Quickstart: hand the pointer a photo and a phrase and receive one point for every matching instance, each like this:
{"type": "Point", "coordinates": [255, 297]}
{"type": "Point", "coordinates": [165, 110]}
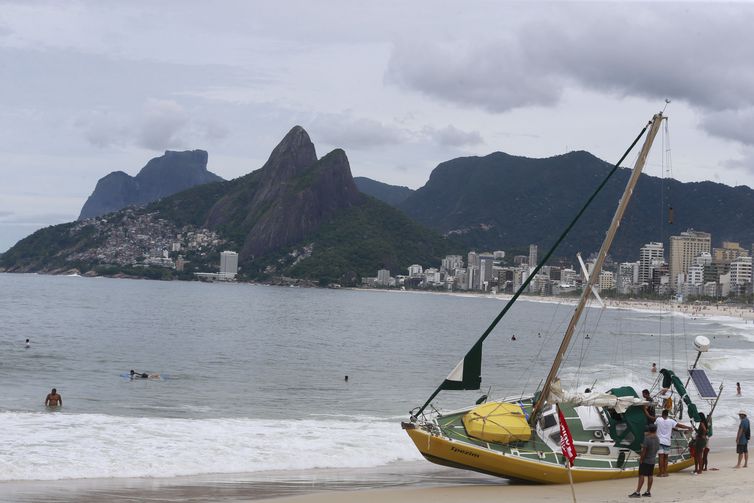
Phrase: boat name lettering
{"type": "Point", "coordinates": [464, 451]}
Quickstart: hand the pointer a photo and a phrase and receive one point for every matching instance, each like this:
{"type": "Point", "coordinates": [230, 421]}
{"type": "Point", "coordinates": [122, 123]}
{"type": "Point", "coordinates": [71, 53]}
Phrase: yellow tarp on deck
{"type": "Point", "coordinates": [497, 422]}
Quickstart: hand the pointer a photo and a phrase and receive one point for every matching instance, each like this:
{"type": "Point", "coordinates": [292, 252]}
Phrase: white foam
{"type": "Point", "coordinates": [51, 446]}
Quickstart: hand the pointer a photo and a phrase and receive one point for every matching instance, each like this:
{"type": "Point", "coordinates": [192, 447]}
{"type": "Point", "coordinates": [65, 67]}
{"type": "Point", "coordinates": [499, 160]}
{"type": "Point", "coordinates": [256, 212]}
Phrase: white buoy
{"type": "Point", "coordinates": [701, 343]}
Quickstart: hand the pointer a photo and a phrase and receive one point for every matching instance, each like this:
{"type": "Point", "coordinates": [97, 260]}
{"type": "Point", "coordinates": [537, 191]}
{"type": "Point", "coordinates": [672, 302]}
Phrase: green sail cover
{"type": "Point", "coordinates": [627, 429]}
{"type": "Point", "coordinates": [668, 379]}
{"type": "Point", "coordinates": [468, 372]}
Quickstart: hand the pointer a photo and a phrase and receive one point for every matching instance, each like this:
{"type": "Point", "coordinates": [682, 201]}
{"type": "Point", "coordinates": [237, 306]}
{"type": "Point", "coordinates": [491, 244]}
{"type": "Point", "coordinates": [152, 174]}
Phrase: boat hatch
{"type": "Point", "coordinates": [591, 418]}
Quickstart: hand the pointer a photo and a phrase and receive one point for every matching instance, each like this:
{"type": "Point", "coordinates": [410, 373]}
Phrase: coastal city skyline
{"type": "Point", "coordinates": [699, 271]}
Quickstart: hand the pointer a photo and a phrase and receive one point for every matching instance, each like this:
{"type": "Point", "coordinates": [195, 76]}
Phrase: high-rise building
{"type": "Point", "coordinates": [729, 252]}
{"type": "Point", "coordinates": [498, 254]}
{"type": "Point", "coordinates": [383, 277]}
{"type": "Point", "coordinates": [473, 259]}
{"type": "Point", "coordinates": [533, 256]}
{"type": "Point", "coordinates": [472, 278]}
{"type": "Point", "coordinates": [485, 268]}
{"type": "Point", "coordinates": [647, 254]}
{"type": "Point", "coordinates": [228, 264]}
{"type": "Point", "coordinates": [451, 262]}
{"type": "Point", "coordinates": [740, 271]}
{"type": "Point", "coordinates": [683, 250]}
{"type": "Point", "coordinates": [415, 270]}
{"type": "Point", "coordinates": [606, 280]}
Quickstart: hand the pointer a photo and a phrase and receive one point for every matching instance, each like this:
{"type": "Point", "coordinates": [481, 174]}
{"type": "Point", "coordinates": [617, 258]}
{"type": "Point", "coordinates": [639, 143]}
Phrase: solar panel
{"type": "Point", "coordinates": [703, 386]}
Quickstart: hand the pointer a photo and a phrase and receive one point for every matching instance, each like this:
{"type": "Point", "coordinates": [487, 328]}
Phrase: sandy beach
{"type": "Point", "coordinates": [420, 482]}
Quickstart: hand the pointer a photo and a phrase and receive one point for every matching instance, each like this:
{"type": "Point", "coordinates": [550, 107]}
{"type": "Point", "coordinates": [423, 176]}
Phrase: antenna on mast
{"type": "Point", "coordinates": [667, 102]}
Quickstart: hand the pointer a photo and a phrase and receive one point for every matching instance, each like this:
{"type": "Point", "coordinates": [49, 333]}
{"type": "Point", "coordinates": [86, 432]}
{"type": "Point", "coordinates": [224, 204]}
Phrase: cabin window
{"type": "Point", "coordinates": [600, 450]}
{"type": "Point", "coordinates": [555, 437]}
{"type": "Point", "coordinates": [548, 421]}
{"type": "Point", "coordinates": [581, 449]}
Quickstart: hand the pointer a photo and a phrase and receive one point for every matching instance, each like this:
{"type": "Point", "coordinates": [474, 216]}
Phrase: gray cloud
{"type": "Point", "coordinates": [744, 163]}
{"type": "Point", "coordinates": [344, 130]}
{"type": "Point", "coordinates": [451, 136]}
{"type": "Point", "coordinates": [158, 125]}
{"type": "Point", "coordinates": [161, 125]}
{"type": "Point", "coordinates": [704, 57]}
{"type": "Point", "coordinates": [737, 125]}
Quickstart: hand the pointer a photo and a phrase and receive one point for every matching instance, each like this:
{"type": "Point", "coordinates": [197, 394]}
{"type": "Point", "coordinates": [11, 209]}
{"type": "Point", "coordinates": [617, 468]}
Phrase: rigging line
{"type": "Point", "coordinates": [544, 260]}
{"type": "Point", "coordinates": [543, 343]}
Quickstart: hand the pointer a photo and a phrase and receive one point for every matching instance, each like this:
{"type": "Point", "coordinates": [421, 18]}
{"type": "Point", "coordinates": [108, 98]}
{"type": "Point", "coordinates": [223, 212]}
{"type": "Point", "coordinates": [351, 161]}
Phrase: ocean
{"type": "Point", "coordinates": [253, 377]}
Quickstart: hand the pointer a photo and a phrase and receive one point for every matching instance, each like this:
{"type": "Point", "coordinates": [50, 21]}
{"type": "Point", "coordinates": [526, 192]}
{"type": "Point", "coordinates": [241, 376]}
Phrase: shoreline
{"type": "Point", "coordinates": [404, 482]}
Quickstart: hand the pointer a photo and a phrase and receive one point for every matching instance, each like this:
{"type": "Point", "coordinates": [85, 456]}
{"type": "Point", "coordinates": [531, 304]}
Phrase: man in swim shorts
{"type": "Point", "coordinates": [54, 399]}
{"type": "Point", "coordinates": [665, 427]}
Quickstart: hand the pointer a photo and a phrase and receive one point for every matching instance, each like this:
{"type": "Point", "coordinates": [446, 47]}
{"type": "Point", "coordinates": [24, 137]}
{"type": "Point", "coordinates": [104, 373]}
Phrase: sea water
{"type": "Point", "coordinates": [254, 376]}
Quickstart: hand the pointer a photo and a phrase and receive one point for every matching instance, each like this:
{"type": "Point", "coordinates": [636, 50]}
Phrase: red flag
{"type": "Point", "coordinates": [566, 440]}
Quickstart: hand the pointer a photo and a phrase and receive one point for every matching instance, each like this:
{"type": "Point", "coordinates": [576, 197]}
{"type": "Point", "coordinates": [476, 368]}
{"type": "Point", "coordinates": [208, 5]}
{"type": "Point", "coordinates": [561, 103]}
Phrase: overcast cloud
{"type": "Point", "coordinates": [90, 87]}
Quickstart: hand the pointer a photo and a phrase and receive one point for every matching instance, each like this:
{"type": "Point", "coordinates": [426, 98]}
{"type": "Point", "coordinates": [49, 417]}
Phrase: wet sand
{"type": "Point", "coordinates": [415, 482]}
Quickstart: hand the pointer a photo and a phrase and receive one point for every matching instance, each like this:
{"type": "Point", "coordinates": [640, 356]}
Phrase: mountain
{"type": "Point", "coordinates": [390, 194]}
{"type": "Point", "coordinates": [501, 201]}
{"type": "Point", "coordinates": [296, 216]}
{"type": "Point", "coordinates": [161, 177]}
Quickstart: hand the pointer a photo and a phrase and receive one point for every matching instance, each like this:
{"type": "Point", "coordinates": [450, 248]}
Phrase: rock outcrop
{"type": "Point", "coordinates": [289, 197]}
{"type": "Point", "coordinates": [161, 177]}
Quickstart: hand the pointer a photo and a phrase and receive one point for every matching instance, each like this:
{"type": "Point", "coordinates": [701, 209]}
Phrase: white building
{"type": "Point", "coordinates": [567, 277]}
{"type": "Point", "coordinates": [414, 271]}
{"type": "Point", "coordinates": [533, 256]}
{"type": "Point", "coordinates": [451, 262]}
{"type": "Point", "coordinates": [433, 277]}
{"type": "Point", "coordinates": [648, 254]}
{"type": "Point", "coordinates": [740, 271]}
{"type": "Point", "coordinates": [486, 264]}
{"type": "Point", "coordinates": [228, 264]}
{"type": "Point", "coordinates": [383, 277]}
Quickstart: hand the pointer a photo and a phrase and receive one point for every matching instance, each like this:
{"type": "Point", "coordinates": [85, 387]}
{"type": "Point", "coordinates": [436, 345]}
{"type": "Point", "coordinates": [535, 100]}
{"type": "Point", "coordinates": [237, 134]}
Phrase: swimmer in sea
{"type": "Point", "coordinates": [54, 399]}
{"type": "Point", "coordinates": [28, 344]}
{"type": "Point", "coordinates": [142, 375]}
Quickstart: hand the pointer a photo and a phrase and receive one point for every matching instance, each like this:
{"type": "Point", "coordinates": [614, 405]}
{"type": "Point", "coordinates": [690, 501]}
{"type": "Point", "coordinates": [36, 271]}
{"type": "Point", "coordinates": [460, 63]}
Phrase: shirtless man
{"type": "Point", "coordinates": [54, 399]}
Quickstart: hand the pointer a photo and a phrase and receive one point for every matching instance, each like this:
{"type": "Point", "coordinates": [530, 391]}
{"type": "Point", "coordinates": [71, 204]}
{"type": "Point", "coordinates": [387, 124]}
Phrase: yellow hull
{"type": "Point", "coordinates": [461, 455]}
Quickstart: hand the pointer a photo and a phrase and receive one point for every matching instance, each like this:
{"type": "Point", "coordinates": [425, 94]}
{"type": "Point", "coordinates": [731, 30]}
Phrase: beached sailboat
{"type": "Point", "coordinates": [519, 437]}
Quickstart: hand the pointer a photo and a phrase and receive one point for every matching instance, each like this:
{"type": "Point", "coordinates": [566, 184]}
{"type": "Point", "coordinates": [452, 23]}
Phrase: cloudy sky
{"type": "Point", "coordinates": [87, 88]}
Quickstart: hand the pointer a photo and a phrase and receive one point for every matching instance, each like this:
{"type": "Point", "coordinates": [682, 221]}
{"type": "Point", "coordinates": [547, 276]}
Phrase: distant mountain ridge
{"type": "Point", "coordinates": [501, 201]}
{"type": "Point", "coordinates": [295, 216]}
{"type": "Point", "coordinates": [161, 177]}
{"type": "Point", "coordinates": [390, 194]}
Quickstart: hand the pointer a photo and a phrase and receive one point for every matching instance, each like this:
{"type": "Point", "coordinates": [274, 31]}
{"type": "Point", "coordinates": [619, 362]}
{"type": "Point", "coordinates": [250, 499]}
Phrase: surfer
{"type": "Point", "coordinates": [142, 375]}
{"type": "Point", "coordinates": [514, 337]}
{"type": "Point", "coordinates": [54, 399]}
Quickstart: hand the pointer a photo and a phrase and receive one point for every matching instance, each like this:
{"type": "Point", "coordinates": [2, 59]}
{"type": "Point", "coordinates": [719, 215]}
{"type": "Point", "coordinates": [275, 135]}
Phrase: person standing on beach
{"type": "Point", "coordinates": [738, 386]}
{"type": "Point", "coordinates": [700, 443]}
{"type": "Point", "coordinates": [649, 449]}
{"type": "Point", "coordinates": [665, 427]}
{"type": "Point", "coordinates": [54, 399]}
{"type": "Point", "coordinates": [742, 440]}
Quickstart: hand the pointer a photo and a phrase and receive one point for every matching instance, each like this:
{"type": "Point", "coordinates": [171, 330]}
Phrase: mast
{"type": "Point", "coordinates": [654, 127]}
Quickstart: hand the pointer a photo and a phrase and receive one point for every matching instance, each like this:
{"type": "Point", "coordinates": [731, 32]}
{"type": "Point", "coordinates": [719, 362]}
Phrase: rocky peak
{"type": "Point", "coordinates": [293, 154]}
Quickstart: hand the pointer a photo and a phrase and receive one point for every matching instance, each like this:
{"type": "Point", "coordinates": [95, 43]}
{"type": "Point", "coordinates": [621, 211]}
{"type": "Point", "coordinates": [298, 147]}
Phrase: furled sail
{"type": "Point", "coordinates": [619, 403]}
